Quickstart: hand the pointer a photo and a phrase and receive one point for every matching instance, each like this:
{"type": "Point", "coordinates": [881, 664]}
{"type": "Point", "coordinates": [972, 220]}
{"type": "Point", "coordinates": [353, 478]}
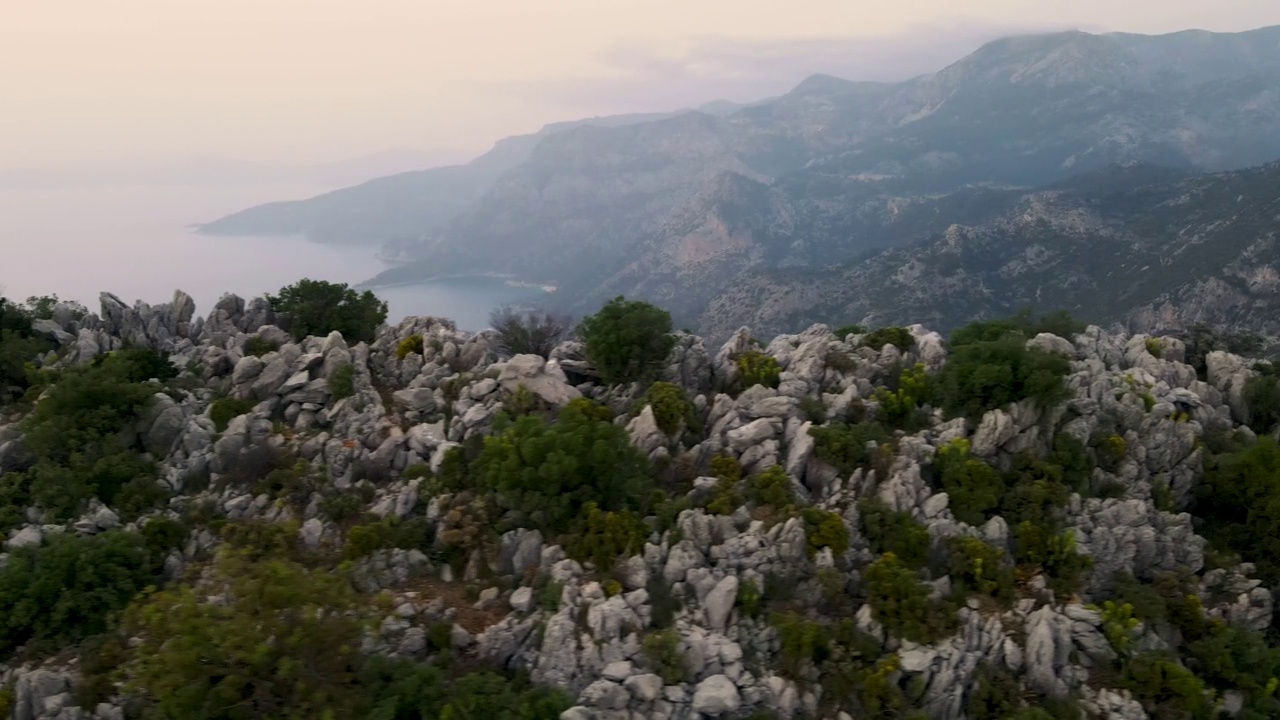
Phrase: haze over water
{"type": "Point", "coordinates": [134, 241]}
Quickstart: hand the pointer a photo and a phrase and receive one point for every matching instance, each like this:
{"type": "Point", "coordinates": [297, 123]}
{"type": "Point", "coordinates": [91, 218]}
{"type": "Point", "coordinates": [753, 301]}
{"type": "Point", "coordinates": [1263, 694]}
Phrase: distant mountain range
{"type": "Point", "coordinates": [853, 201]}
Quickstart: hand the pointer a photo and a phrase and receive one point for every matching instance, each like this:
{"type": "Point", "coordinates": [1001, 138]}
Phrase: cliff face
{"type": "Point", "coordinates": [728, 580]}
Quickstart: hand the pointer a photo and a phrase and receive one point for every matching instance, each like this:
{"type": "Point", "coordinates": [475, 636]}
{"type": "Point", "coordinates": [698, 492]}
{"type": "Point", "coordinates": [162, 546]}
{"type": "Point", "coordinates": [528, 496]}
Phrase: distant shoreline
{"type": "Point", "coordinates": [508, 280]}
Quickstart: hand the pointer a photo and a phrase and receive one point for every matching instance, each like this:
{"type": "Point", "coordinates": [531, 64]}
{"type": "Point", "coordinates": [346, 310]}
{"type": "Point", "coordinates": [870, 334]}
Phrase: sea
{"type": "Point", "coordinates": [137, 242]}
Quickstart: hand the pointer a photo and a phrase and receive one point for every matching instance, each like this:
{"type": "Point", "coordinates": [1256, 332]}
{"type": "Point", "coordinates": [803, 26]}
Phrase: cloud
{"type": "Point", "coordinates": [644, 76]}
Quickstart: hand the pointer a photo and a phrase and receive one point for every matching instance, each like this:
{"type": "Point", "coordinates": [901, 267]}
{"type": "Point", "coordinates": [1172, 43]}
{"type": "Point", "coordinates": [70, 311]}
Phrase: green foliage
{"type": "Point", "coordinates": [529, 331]}
{"type": "Point", "coordinates": [844, 446]}
{"type": "Point", "coordinates": [996, 694]}
{"type": "Point", "coordinates": [670, 407]}
{"type": "Point", "coordinates": [901, 408]}
{"type": "Point", "coordinates": [977, 567]}
{"type": "Point", "coordinates": [1201, 340]}
{"type": "Point", "coordinates": [813, 409]}
{"type": "Point", "coordinates": [986, 375]}
{"type": "Point", "coordinates": [70, 587]}
{"type": "Point", "coordinates": [316, 307]}
{"type": "Point", "coordinates": [845, 331]}
{"type": "Point", "coordinates": [19, 345]}
{"type": "Point", "coordinates": [839, 360]}
{"type": "Point", "coordinates": [607, 536]}
{"type": "Point", "coordinates": [342, 382]}
{"type": "Point", "coordinates": [411, 344]}
{"type": "Point", "coordinates": [898, 337]}
{"type": "Point", "coordinates": [894, 532]}
{"type": "Point", "coordinates": [901, 603]}
{"type": "Point", "coordinates": [770, 487]}
{"type": "Point", "coordinates": [82, 437]}
{"type": "Point", "coordinates": [1110, 450]}
{"type": "Point", "coordinates": [757, 368]}
{"type": "Point", "coordinates": [973, 487]}
{"type": "Point", "coordinates": [546, 473]}
{"type": "Point", "coordinates": [627, 340]}
{"type": "Point", "coordinates": [363, 540]}
{"type": "Point", "coordinates": [825, 529]}
{"type": "Point", "coordinates": [662, 649]}
{"type": "Point", "coordinates": [802, 642]}
{"type": "Point", "coordinates": [1166, 688]}
{"type": "Point", "coordinates": [1262, 398]}
{"type": "Point", "coordinates": [750, 598]}
{"type": "Point", "coordinates": [223, 410]}
{"type": "Point", "coordinates": [400, 689]}
{"type": "Point", "coordinates": [1239, 502]}
{"type": "Point", "coordinates": [1055, 553]}
{"type": "Point", "coordinates": [548, 593]}
{"type": "Point", "coordinates": [1022, 326]}
{"type": "Point", "coordinates": [258, 346]}
{"type": "Point", "coordinates": [1119, 625]}
{"type": "Point", "coordinates": [283, 645]}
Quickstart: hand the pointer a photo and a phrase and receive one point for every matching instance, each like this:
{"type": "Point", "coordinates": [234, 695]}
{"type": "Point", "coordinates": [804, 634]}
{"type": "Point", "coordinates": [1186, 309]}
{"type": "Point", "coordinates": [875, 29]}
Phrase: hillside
{"type": "Point", "coordinates": [1032, 520]}
{"type": "Point", "coordinates": [827, 173]}
{"type": "Point", "coordinates": [1147, 247]}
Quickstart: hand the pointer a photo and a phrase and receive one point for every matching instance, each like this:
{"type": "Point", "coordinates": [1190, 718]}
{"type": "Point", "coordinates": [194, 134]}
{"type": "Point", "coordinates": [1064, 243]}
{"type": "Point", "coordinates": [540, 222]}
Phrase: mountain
{"type": "Point", "coordinates": [685, 208]}
{"type": "Point", "coordinates": [1147, 247]}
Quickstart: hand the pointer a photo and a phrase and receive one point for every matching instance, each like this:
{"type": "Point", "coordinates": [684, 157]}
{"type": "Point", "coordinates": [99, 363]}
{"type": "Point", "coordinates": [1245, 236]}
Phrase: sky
{"type": "Point", "coordinates": [295, 81]}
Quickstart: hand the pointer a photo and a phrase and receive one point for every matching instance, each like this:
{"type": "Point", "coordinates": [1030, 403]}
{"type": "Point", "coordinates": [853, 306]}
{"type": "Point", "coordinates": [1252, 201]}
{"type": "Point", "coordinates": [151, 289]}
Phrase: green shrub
{"type": "Point", "coordinates": [901, 603]}
{"type": "Point", "coordinates": [825, 529]}
{"type": "Point", "coordinates": [662, 649]}
{"type": "Point", "coordinates": [316, 307]}
{"type": "Point", "coordinates": [1055, 553]}
{"type": "Point", "coordinates": [545, 473]}
{"type": "Point", "coordinates": [342, 382]}
{"type": "Point", "coordinates": [813, 409]}
{"type": "Point", "coordinates": [757, 368]}
{"type": "Point", "coordinates": [802, 641]}
{"type": "Point", "coordinates": [898, 337]}
{"type": "Point", "coordinates": [894, 532]}
{"type": "Point", "coordinates": [1155, 348]}
{"type": "Point", "coordinates": [770, 487]}
{"type": "Point", "coordinates": [1109, 449]}
{"type": "Point", "coordinates": [974, 488]}
{"type": "Point", "coordinates": [411, 344]}
{"type": "Point", "coordinates": [987, 375]}
{"type": "Point", "coordinates": [1262, 398]}
{"type": "Point", "coordinates": [411, 534]}
{"type": "Point", "coordinates": [840, 361]}
{"type": "Point", "coordinates": [977, 567]}
{"type": "Point", "coordinates": [70, 587]}
{"type": "Point", "coordinates": [845, 331]}
{"type": "Point", "coordinates": [901, 408]}
{"type": "Point", "coordinates": [402, 689]}
{"type": "Point", "coordinates": [627, 340]}
{"type": "Point", "coordinates": [1165, 687]}
{"type": "Point", "coordinates": [223, 410]}
{"type": "Point", "coordinates": [607, 536]}
{"type": "Point", "coordinates": [19, 345]}
{"type": "Point", "coordinates": [670, 407]}
{"type": "Point", "coordinates": [258, 346]}
{"type": "Point", "coordinates": [844, 446]}
{"type": "Point", "coordinates": [1022, 326]}
{"type": "Point", "coordinates": [1239, 501]}
{"type": "Point", "coordinates": [995, 694]}
{"type": "Point", "coordinates": [750, 598]}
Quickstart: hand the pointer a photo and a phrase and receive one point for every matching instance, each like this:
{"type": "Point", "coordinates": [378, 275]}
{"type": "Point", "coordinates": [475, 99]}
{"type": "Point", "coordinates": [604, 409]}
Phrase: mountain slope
{"type": "Point", "coordinates": [1149, 247]}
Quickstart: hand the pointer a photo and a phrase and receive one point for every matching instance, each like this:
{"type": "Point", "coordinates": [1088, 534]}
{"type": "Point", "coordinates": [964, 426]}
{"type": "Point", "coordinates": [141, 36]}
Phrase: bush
{"type": "Point", "coordinates": [770, 488]}
{"type": "Point", "coordinates": [973, 487]}
{"type": "Point", "coordinates": [977, 567]}
{"type": "Point", "coordinates": [19, 345]}
{"type": "Point", "coordinates": [364, 540]}
{"type": "Point", "coordinates": [546, 473]}
{"type": "Point", "coordinates": [401, 689]}
{"type": "Point", "coordinates": [342, 382]}
{"type": "Point", "coordinates": [995, 694]}
{"type": "Point", "coordinates": [223, 410]}
{"type": "Point", "coordinates": [901, 408]}
{"type": "Point", "coordinates": [70, 587]}
{"type": "Point", "coordinates": [662, 649]}
{"type": "Point", "coordinates": [670, 407]}
{"type": "Point", "coordinates": [627, 340]}
{"type": "Point", "coordinates": [757, 368]}
{"type": "Point", "coordinates": [844, 446]}
{"type": "Point", "coordinates": [845, 331]}
{"type": "Point", "coordinates": [825, 529]}
{"type": "Point", "coordinates": [900, 602]}
{"type": "Point", "coordinates": [1201, 340]}
{"type": "Point", "coordinates": [83, 440]}
{"type": "Point", "coordinates": [894, 532]}
{"type": "Point", "coordinates": [1262, 398]}
{"type": "Point", "coordinates": [1239, 502]}
{"type": "Point", "coordinates": [898, 337]}
{"type": "Point", "coordinates": [803, 642]}
{"type": "Point", "coordinates": [1022, 326]}
{"type": "Point", "coordinates": [409, 345]}
{"type": "Point", "coordinates": [529, 331]}
{"type": "Point", "coordinates": [316, 307]}
{"type": "Point", "coordinates": [987, 375]}
{"type": "Point", "coordinates": [607, 536]}
{"type": "Point", "coordinates": [1055, 553]}
{"type": "Point", "coordinates": [258, 346]}
{"type": "Point", "coordinates": [1155, 348]}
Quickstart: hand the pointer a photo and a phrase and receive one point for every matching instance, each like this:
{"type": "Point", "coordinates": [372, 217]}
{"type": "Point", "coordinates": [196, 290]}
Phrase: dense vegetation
{"type": "Point", "coordinates": [529, 331]}
{"type": "Point", "coordinates": [317, 307]}
{"type": "Point", "coordinates": [627, 340]}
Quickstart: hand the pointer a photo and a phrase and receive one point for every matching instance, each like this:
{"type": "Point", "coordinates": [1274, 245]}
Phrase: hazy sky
{"type": "Point", "coordinates": [293, 80]}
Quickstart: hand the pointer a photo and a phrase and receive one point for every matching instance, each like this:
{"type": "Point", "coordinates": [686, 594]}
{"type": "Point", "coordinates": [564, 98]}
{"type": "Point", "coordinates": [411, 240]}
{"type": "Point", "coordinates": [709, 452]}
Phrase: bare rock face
{"type": "Point", "coordinates": [543, 379]}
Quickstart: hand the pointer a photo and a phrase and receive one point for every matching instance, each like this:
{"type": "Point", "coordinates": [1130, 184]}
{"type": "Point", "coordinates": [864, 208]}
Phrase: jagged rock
{"type": "Point", "coordinates": [543, 379]}
{"type": "Point", "coordinates": [645, 433]}
{"type": "Point", "coordinates": [28, 536]}
{"type": "Point", "coordinates": [521, 550]}
{"type": "Point", "coordinates": [720, 601]}
{"type": "Point", "coordinates": [715, 696]}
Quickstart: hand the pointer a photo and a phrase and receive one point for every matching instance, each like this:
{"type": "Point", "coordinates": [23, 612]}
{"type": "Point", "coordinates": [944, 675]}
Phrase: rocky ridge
{"type": "Point", "coordinates": [409, 411]}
